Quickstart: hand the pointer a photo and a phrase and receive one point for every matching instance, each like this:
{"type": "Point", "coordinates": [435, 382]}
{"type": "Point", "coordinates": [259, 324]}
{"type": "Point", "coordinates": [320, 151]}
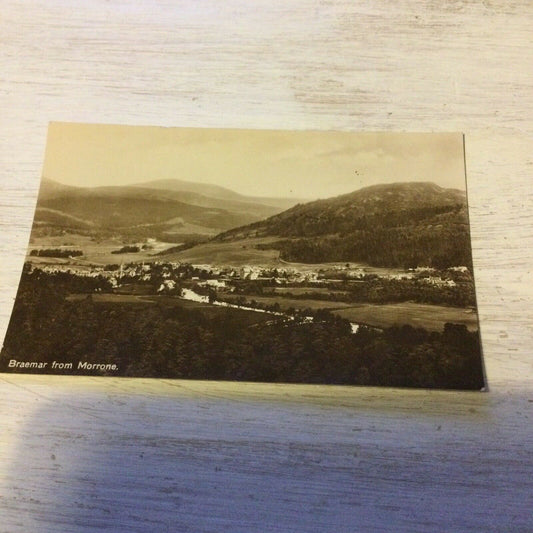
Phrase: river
{"type": "Point", "coordinates": [188, 294]}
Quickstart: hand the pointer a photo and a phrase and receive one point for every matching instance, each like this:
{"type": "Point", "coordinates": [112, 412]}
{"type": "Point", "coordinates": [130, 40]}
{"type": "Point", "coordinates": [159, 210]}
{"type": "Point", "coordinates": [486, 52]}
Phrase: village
{"type": "Point", "coordinates": [227, 278]}
{"type": "Point", "coordinates": [212, 282]}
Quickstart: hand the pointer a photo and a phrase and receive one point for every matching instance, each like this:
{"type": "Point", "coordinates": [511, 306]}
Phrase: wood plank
{"type": "Point", "coordinates": [86, 454]}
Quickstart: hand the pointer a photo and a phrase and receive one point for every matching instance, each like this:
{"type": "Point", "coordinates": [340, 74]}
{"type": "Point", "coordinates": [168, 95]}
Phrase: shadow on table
{"type": "Point", "coordinates": [176, 456]}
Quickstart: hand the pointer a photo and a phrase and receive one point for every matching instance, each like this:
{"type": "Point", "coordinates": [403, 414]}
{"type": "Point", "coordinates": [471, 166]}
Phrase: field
{"type": "Point", "coordinates": [244, 252]}
{"type": "Point", "coordinates": [94, 252]}
{"type": "Point", "coordinates": [286, 303]}
{"type": "Point", "coordinates": [112, 298]}
{"type": "Point", "coordinates": [307, 290]}
{"type": "Point", "coordinates": [211, 311]}
{"type": "Point", "coordinates": [431, 317]}
{"type": "Point", "coordinates": [97, 251]}
{"type": "Point", "coordinates": [228, 254]}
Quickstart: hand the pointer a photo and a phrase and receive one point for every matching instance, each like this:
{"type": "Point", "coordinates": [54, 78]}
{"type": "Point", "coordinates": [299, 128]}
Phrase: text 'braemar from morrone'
{"type": "Point", "coordinates": [58, 365]}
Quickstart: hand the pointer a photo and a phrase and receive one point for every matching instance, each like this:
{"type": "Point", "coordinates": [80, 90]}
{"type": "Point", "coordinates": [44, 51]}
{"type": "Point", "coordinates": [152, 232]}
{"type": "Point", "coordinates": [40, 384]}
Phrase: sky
{"type": "Point", "coordinates": [300, 164]}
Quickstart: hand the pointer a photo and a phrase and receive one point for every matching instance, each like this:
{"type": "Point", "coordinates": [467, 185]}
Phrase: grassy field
{"type": "Point", "coordinates": [286, 303]}
{"type": "Point", "coordinates": [225, 254]}
{"type": "Point", "coordinates": [238, 253]}
{"type": "Point", "coordinates": [112, 298]}
{"type": "Point", "coordinates": [215, 253]}
{"type": "Point", "coordinates": [431, 317]}
{"type": "Point", "coordinates": [306, 290]}
{"type": "Point", "coordinates": [211, 311]}
{"type": "Point", "coordinates": [69, 240]}
{"type": "Point", "coordinates": [96, 253]}
{"type": "Point", "coordinates": [244, 252]}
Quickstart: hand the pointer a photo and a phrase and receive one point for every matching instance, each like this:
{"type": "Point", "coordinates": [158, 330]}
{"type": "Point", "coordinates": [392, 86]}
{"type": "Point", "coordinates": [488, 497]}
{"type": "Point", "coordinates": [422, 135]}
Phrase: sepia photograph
{"type": "Point", "coordinates": [321, 257]}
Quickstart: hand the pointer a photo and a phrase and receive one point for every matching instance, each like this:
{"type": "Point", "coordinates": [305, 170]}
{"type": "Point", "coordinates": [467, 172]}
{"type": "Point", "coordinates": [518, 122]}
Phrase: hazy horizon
{"type": "Point", "coordinates": [257, 163]}
{"type": "Point", "coordinates": [135, 184]}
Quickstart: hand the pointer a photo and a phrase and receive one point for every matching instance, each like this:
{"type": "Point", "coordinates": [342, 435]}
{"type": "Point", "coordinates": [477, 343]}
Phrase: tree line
{"type": "Point", "coordinates": [429, 236]}
{"type": "Point", "coordinates": [56, 252]}
{"type": "Point", "coordinates": [168, 340]}
{"type": "Point", "coordinates": [439, 248]}
{"type": "Point", "coordinates": [374, 290]}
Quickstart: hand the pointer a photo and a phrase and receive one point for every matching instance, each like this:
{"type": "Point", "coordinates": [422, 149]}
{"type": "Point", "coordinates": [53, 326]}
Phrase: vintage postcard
{"type": "Point", "coordinates": [250, 255]}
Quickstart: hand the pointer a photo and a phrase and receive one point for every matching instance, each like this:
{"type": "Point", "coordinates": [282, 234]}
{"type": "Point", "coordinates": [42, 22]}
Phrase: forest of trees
{"type": "Point", "coordinates": [394, 247]}
{"type": "Point", "coordinates": [127, 249]}
{"type": "Point", "coordinates": [375, 290]}
{"type": "Point", "coordinates": [428, 236]}
{"type": "Point", "coordinates": [56, 252]}
{"type": "Point", "coordinates": [163, 340]}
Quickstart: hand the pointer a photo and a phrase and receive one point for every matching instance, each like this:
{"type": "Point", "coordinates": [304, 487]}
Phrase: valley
{"type": "Point", "coordinates": [215, 285]}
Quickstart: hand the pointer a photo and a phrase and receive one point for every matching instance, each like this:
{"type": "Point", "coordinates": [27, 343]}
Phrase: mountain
{"type": "Point", "coordinates": [390, 225]}
{"type": "Point", "coordinates": [348, 211]}
{"type": "Point", "coordinates": [51, 189]}
{"type": "Point", "coordinates": [169, 214]}
{"type": "Point", "coordinates": [217, 192]}
{"type": "Point", "coordinates": [205, 189]}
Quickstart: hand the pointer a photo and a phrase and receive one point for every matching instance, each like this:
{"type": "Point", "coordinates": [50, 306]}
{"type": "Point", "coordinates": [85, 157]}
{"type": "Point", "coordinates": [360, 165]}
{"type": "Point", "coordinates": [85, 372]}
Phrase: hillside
{"type": "Point", "coordinates": [205, 189]}
{"type": "Point", "coordinates": [391, 225]}
{"type": "Point", "coordinates": [219, 193]}
{"type": "Point", "coordinates": [139, 211]}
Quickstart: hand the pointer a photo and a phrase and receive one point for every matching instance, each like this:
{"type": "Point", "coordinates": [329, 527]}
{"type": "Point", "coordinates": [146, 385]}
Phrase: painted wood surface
{"type": "Point", "coordinates": [87, 454]}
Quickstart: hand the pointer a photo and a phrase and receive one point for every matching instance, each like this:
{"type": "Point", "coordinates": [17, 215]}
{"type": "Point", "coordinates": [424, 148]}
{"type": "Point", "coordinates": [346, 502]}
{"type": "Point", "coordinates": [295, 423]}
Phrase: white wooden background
{"type": "Point", "coordinates": [87, 454]}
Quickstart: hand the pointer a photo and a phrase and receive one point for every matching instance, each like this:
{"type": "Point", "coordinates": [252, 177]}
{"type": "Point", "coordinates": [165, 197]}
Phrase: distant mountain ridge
{"type": "Point", "coordinates": [403, 225]}
{"type": "Point", "coordinates": [216, 191]}
{"type": "Point", "coordinates": [206, 189]}
{"type": "Point", "coordinates": [166, 211]}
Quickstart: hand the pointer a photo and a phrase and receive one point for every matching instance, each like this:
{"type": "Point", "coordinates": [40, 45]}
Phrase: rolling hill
{"type": "Point", "coordinates": [352, 211]}
{"type": "Point", "coordinates": [150, 210]}
{"type": "Point", "coordinates": [219, 193]}
{"type": "Point", "coordinates": [398, 225]}
{"type": "Point", "coordinates": [390, 225]}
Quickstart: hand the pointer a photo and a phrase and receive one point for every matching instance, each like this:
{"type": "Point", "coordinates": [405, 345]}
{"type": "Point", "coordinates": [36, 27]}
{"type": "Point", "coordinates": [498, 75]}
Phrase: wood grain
{"type": "Point", "coordinates": [85, 454]}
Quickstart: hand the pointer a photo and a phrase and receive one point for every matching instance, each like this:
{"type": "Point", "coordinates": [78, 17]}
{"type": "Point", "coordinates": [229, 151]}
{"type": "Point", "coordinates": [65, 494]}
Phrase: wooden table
{"type": "Point", "coordinates": [88, 454]}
